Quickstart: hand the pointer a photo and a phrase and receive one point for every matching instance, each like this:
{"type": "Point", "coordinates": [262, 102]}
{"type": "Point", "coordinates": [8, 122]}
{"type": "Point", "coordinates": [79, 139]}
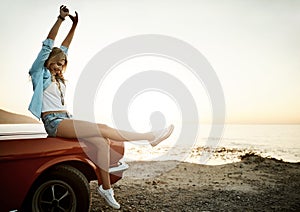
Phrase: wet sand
{"type": "Point", "coordinates": [253, 184]}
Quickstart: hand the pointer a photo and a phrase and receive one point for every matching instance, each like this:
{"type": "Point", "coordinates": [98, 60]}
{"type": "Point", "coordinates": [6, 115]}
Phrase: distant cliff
{"type": "Point", "coordinates": [13, 118]}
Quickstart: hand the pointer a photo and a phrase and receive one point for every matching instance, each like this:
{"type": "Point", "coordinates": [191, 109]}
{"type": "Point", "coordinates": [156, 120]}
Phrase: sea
{"type": "Point", "coordinates": [274, 141]}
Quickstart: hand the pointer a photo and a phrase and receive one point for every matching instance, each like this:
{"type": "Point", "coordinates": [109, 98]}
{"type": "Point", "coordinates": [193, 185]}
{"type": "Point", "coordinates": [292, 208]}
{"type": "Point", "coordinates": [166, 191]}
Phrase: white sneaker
{"type": "Point", "coordinates": [108, 195]}
{"type": "Point", "coordinates": [161, 135]}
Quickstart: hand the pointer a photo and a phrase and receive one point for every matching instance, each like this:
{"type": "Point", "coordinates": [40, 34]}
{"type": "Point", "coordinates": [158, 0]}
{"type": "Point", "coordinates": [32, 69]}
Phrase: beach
{"type": "Point", "coordinates": [252, 168]}
{"type": "Point", "coordinates": [254, 183]}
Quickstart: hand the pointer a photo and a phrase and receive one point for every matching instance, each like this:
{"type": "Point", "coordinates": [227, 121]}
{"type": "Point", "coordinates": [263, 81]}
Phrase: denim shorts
{"type": "Point", "coordinates": [52, 120]}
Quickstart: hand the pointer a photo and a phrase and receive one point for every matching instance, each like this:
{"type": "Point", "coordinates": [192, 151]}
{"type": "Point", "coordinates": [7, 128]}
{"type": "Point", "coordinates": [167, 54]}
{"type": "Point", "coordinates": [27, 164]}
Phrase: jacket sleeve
{"type": "Point", "coordinates": [64, 49]}
{"type": "Point", "coordinates": [43, 55]}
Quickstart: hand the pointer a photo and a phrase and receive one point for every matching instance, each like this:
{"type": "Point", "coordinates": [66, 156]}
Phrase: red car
{"type": "Point", "coordinates": [49, 174]}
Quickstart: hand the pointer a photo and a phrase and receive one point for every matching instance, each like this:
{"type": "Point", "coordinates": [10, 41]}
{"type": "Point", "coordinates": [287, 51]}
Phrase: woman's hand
{"type": "Point", "coordinates": [74, 18]}
{"type": "Point", "coordinates": [63, 11]}
{"type": "Point", "coordinates": [70, 35]}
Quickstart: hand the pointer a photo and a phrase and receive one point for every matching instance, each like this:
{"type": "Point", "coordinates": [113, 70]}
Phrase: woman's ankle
{"type": "Point", "coordinates": [106, 187]}
{"type": "Point", "coordinates": [151, 136]}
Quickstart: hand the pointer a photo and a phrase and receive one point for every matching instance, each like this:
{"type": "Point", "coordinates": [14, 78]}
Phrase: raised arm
{"type": "Point", "coordinates": [70, 35]}
{"type": "Point", "coordinates": [48, 44]}
{"type": "Point", "coordinates": [63, 12]}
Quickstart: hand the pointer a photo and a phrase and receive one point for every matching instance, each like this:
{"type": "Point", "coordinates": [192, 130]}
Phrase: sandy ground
{"type": "Point", "coordinates": [254, 184]}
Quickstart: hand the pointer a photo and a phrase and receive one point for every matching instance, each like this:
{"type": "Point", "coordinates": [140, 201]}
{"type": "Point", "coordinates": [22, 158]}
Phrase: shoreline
{"type": "Point", "coordinates": [255, 183]}
{"type": "Point", "coordinates": [208, 155]}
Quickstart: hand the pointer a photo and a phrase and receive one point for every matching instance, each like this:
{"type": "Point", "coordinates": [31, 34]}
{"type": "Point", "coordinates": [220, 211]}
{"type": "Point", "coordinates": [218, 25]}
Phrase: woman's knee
{"type": "Point", "coordinates": [98, 141]}
{"type": "Point", "coordinates": [103, 127]}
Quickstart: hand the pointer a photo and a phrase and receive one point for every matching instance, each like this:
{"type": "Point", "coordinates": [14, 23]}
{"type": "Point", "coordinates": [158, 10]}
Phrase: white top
{"type": "Point", "coordinates": [52, 98]}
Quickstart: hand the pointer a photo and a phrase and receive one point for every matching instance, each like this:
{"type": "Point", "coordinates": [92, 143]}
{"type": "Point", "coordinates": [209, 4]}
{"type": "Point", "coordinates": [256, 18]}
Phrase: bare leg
{"type": "Point", "coordinates": [102, 146]}
{"type": "Point", "coordinates": [97, 134]}
{"type": "Point", "coordinates": [86, 129]}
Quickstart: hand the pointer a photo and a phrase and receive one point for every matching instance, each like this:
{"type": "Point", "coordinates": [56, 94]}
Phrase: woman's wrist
{"type": "Point", "coordinates": [61, 17]}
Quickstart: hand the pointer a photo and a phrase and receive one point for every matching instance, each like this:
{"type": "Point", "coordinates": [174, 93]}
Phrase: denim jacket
{"type": "Point", "coordinates": [41, 77]}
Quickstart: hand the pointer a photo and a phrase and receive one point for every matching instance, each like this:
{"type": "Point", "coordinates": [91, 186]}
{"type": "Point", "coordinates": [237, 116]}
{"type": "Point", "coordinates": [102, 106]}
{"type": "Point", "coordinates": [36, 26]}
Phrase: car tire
{"type": "Point", "coordinates": [63, 188]}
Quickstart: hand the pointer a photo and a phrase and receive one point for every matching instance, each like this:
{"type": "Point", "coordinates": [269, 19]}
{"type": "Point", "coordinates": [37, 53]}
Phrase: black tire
{"type": "Point", "coordinates": [63, 187]}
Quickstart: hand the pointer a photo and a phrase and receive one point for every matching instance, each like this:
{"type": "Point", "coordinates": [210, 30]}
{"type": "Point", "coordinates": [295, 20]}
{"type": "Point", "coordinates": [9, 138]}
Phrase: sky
{"type": "Point", "coordinates": [252, 45]}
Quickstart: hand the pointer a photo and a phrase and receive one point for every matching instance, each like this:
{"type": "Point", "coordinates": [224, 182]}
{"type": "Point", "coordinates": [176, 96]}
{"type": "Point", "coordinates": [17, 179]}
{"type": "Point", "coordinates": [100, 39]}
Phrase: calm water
{"type": "Point", "coordinates": [278, 141]}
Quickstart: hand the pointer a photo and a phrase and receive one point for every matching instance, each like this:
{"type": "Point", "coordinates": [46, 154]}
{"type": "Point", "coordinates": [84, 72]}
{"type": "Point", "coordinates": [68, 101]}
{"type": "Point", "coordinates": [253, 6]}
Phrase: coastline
{"type": "Point", "coordinates": [255, 183]}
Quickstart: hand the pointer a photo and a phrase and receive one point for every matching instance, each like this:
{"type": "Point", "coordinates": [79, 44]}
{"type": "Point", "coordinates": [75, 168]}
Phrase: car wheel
{"type": "Point", "coordinates": [64, 188]}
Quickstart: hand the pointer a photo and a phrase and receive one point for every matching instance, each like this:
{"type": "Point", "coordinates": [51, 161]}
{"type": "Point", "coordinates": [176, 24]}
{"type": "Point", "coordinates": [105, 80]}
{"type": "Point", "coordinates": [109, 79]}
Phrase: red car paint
{"type": "Point", "coordinates": [22, 161]}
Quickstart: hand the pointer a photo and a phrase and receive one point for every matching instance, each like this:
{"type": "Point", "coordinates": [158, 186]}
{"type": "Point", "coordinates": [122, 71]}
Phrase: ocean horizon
{"type": "Point", "coordinates": [280, 141]}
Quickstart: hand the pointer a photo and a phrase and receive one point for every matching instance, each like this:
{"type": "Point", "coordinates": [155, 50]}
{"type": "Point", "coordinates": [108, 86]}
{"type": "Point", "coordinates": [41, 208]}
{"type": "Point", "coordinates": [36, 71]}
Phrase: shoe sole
{"type": "Point", "coordinates": [155, 143]}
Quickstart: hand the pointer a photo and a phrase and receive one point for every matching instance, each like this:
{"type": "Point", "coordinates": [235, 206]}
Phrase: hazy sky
{"type": "Point", "coordinates": [253, 46]}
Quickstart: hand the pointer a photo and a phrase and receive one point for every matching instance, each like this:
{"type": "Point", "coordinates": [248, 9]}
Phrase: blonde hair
{"type": "Point", "coordinates": [55, 55]}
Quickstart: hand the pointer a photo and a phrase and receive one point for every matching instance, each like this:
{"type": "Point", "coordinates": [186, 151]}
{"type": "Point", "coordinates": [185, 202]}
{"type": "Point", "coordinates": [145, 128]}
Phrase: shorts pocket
{"type": "Point", "coordinates": [50, 120]}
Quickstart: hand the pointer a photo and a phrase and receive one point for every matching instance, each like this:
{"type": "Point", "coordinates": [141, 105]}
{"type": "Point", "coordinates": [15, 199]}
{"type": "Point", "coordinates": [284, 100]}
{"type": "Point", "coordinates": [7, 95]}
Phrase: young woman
{"type": "Point", "coordinates": [48, 103]}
